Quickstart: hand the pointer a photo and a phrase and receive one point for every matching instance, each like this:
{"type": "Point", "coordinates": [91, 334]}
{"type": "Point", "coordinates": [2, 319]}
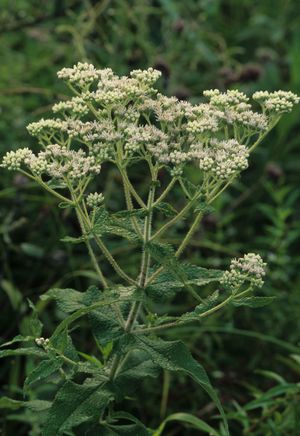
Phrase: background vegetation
{"type": "Point", "coordinates": [252, 356]}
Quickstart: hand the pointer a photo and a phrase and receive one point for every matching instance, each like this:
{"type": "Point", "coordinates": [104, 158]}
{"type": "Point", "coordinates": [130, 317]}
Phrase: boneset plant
{"type": "Point", "coordinates": [125, 122]}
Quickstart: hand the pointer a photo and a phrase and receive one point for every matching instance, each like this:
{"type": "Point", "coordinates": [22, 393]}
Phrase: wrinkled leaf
{"type": "Point", "coordinates": [75, 404]}
{"type": "Point", "coordinates": [174, 356]}
{"type": "Point", "coordinates": [254, 302]}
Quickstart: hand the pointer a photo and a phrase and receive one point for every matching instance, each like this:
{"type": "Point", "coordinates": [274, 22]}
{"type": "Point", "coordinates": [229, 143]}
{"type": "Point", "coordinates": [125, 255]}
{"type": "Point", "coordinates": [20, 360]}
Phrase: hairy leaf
{"type": "Point", "coordinates": [62, 342]}
{"type": "Point", "coordinates": [166, 209]}
{"type": "Point", "coordinates": [167, 283]}
{"type": "Point", "coordinates": [207, 304]}
{"type": "Point", "coordinates": [42, 371]}
{"type": "Point", "coordinates": [105, 326]}
{"type": "Point", "coordinates": [75, 404]}
{"type": "Point", "coordinates": [18, 338]}
{"type": "Point", "coordinates": [174, 356]}
{"type": "Point", "coordinates": [138, 366]}
{"type": "Point", "coordinates": [30, 351]}
{"type": "Point", "coordinates": [105, 223]}
{"type": "Point", "coordinates": [35, 405]}
{"type": "Point", "coordinates": [85, 310]}
{"type": "Point", "coordinates": [254, 302]}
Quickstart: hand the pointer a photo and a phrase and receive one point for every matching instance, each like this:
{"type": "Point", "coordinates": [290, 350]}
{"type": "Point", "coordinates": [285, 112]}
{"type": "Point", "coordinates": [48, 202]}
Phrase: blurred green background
{"type": "Point", "coordinates": [197, 44]}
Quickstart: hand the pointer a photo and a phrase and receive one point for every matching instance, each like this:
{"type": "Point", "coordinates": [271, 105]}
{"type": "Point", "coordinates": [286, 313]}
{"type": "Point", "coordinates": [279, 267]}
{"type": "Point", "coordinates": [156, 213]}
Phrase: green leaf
{"type": "Point", "coordinates": [105, 326]}
{"type": "Point", "coordinates": [138, 366]}
{"type": "Point", "coordinates": [75, 404]}
{"type": "Point", "coordinates": [101, 220]}
{"type": "Point", "coordinates": [65, 205]}
{"type": "Point", "coordinates": [33, 250]}
{"type": "Point", "coordinates": [190, 187]}
{"type": "Point", "coordinates": [42, 371]}
{"type": "Point", "coordinates": [136, 429]}
{"type": "Point", "coordinates": [139, 213]}
{"type": "Point", "coordinates": [30, 351]}
{"type": "Point", "coordinates": [18, 338]}
{"type": "Point", "coordinates": [68, 300]}
{"type": "Point", "coordinates": [13, 293]}
{"type": "Point", "coordinates": [207, 304]}
{"type": "Point", "coordinates": [187, 418]}
{"type": "Point", "coordinates": [166, 209]}
{"type": "Point", "coordinates": [104, 223]}
{"type": "Point", "coordinates": [254, 302]}
{"type": "Point", "coordinates": [35, 405]}
{"type": "Point", "coordinates": [62, 342]}
{"type": "Point", "coordinates": [174, 356]}
{"type": "Point", "coordinates": [267, 397]}
{"type": "Point", "coordinates": [84, 311]}
{"type": "Point", "coordinates": [33, 325]}
{"type": "Point", "coordinates": [167, 284]}
{"type": "Point", "coordinates": [9, 403]}
{"type": "Point", "coordinates": [72, 240]}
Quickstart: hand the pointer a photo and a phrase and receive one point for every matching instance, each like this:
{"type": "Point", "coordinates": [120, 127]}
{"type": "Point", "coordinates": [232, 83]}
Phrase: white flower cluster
{"type": "Point", "coordinates": [82, 74]}
{"type": "Point", "coordinates": [42, 342]}
{"type": "Point", "coordinates": [222, 158]}
{"type": "Point", "coordinates": [76, 106]}
{"type": "Point", "coordinates": [233, 108]}
{"type": "Point", "coordinates": [278, 101]}
{"type": "Point", "coordinates": [55, 161]}
{"type": "Point", "coordinates": [94, 199]}
{"type": "Point", "coordinates": [46, 126]}
{"type": "Point", "coordinates": [14, 159]}
{"type": "Point", "coordinates": [249, 268]}
{"type": "Point", "coordinates": [123, 117]}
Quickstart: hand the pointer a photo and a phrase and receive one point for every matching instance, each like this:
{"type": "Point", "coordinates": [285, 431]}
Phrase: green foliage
{"type": "Point", "coordinates": [75, 404]}
{"type": "Point", "coordinates": [174, 356]}
{"type": "Point", "coordinates": [249, 46]}
{"type": "Point", "coordinates": [186, 418]}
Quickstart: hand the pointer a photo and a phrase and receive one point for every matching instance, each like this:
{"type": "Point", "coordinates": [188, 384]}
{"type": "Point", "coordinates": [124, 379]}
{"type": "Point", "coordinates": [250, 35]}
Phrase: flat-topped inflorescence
{"type": "Point", "coordinates": [124, 119]}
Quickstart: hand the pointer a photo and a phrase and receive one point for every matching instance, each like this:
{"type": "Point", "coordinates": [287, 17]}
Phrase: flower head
{"type": "Point", "coordinates": [250, 269]}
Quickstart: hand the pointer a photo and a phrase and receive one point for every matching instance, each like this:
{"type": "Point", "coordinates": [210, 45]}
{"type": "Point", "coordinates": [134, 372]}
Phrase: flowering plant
{"type": "Point", "coordinates": [125, 122]}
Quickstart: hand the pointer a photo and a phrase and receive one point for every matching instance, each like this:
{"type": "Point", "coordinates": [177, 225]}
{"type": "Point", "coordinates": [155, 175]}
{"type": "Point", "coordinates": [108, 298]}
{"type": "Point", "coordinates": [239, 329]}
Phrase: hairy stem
{"type": "Point", "coordinates": [130, 207]}
{"type": "Point", "coordinates": [165, 192]}
{"type": "Point", "coordinates": [174, 220]}
{"type": "Point", "coordinates": [200, 316]}
{"type": "Point", "coordinates": [134, 311]}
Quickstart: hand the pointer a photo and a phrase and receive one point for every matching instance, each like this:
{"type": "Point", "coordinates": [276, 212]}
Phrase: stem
{"type": "Point", "coordinates": [202, 315]}
{"type": "Point", "coordinates": [165, 394]}
{"type": "Point", "coordinates": [130, 207]}
{"type": "Point", "coordinates": [90, 250]}
{"type": "Point", "coordinates": [112, 261]}
{"type": "Point", "coordinates": [104, 249]}
{"type": "Point", "coordinates": [46, 187]}
{"type": "Point", "coordinates": [189, 234]}
{"type": "Point", "coordinates": [184, 189]}
{"type": "Point", "coordinates": [176, 218]}
{"type": "Point", "coordinates": [134, 311]}
{"type": "Point", "coordinates": [95, 263]}
{"type": "Point", "coordinates": [181, 247]}
{"type": "Point", "coordinates": [131, 188]}
{"type": "Point", "coordinates": [165, 192]}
